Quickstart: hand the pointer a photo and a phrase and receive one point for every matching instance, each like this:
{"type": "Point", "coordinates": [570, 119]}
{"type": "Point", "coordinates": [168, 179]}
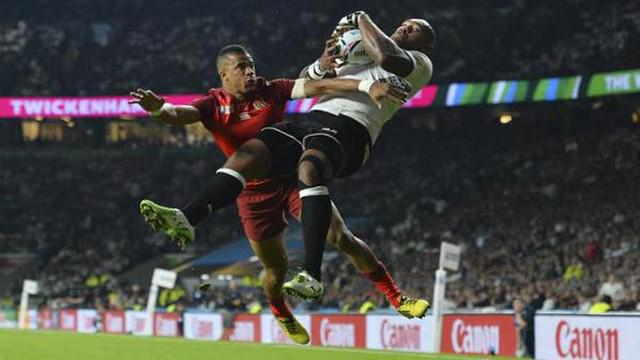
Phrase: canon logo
{"type": "Point", "coordinates": [586, 343]}
{"type": "Point", "coordinates": [166, 327]}
{"type": "Point", "coordinates": [394, 336]}
{"type": "Point", "coordinates": [243, 331]}
{"type": "Point", "coordinates": [138, 324]}
{"type": "Point", "coordinates": [474, 339]}
{"type": "Point", "coordinates": [337, 334]}
{"type": "Point", "coordinates": [203, 329]}
{"type": "Point", "coordinates": [87, 322]}
{"type": "Point", "coordinates": [277, 335]}
{"type": "Point", "coordinates": [68, 321]}
{"type": "Point", "coordinates": [115, 323]}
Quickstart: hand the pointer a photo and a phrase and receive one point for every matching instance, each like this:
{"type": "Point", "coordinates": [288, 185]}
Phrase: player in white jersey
{"type": "Point", "coordinates": [334, 140]}
{"type": "Point", "coordinates": [340, 131]}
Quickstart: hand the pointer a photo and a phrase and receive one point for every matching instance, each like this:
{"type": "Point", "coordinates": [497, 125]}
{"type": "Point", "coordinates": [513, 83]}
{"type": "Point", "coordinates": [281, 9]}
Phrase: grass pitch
{"type": "Point", "coordinates": [58, 345]}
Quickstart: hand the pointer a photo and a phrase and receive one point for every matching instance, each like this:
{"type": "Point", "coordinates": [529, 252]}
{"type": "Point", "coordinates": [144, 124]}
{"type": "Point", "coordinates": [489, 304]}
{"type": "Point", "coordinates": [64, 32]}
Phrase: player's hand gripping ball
{"type": "Point", "coordinates": [350, 21]}
{"type": "Point", "coordinates": [350, 48]}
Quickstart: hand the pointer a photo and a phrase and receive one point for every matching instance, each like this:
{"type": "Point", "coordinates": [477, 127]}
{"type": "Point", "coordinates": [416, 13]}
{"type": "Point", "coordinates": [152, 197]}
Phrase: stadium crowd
{"type": "Point", "coordinates": [543, 213]}
{"type": "Point", "coordinates": [546, 215]}
{"type": "Point", "coordinates": [59, 51]}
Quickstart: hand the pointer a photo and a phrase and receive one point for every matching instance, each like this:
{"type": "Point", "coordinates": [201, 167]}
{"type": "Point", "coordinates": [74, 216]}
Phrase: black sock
{"type": "Point", "coordinates": [220, 192]}
{"type": "Point", "coordinates": [316, 218]}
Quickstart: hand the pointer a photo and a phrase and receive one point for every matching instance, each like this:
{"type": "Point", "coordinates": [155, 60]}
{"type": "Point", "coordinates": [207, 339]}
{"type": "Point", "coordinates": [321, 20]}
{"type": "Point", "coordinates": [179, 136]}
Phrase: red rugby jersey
{"type": "Point", "coordinates": [232, 122]}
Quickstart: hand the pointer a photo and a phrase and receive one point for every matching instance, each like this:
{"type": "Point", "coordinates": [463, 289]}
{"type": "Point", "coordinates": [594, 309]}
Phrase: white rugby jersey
{"type": "Point", "coordinates": [360, 107]}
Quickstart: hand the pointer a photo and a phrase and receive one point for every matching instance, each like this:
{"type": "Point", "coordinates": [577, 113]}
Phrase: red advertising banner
{"type": "Point", "coordinates": [339, 330]}
{"type": "Point", "coordinates": [68, 319]}
{"type": "Point", "coordinates": [166, 324]}
{"type": "Point", "coordinates": [479, 334]}
{"type": "Point", "coordinates": [45, 319]}
{"type": "Point", "coordinates": [113, 321]}
{"type": "Point", "coordinates": [246, 327]}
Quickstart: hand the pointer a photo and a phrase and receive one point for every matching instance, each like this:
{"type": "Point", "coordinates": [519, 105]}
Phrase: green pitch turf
{"type": "Point", "coordinates": [58, 345]}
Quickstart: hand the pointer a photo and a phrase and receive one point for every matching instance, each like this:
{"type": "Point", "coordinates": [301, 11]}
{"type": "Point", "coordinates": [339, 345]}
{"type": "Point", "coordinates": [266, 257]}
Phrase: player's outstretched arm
{"type": "Point", "coordinates": [381, 48]}
{"type": "Point", "coordinates": [376, 89]}
{"type": "Point", "coordinates": [163, 111]}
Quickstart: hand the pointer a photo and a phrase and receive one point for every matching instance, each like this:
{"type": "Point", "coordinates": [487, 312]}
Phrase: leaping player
{"type": "Point", "coordinates": [234, 114]}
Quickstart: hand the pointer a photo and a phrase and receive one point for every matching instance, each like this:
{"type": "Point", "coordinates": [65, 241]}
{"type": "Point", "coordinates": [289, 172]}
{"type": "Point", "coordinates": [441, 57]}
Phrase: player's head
{"type": "Point", "coordinates": [415, 34]}
{"type": "Point", "coordinates": [236, 69]}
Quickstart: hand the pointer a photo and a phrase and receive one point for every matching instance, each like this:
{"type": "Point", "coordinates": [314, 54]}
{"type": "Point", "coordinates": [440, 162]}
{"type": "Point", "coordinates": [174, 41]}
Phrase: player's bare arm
{"type": "Point", "coordinates": [380, 47]}
{"type": "Point", "coordinates": [162, 111]}
{"type": "Point", "coordinates": [377, 90]}
{"type": "Point", "coordinates": [325, 66]}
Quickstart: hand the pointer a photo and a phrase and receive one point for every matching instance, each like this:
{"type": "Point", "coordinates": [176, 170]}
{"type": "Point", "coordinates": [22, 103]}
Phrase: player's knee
{"type": "Point", "coordinates": [314, 169]}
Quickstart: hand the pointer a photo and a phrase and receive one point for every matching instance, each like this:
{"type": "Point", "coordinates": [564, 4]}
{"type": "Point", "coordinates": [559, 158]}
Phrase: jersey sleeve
{"type": "Point", "coordinates": [207, 107]}
{"type": "Point", "coordinates": [282, 88]}
{"type": "Point", "coordinates": [422, 67]}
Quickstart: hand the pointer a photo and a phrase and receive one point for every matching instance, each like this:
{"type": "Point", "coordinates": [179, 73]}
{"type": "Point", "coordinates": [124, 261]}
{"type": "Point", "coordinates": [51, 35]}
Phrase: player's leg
{"type": "Point", "coordinates": [251, 161]}
{"type": "Point", "coordinates": [366, 262]}
{"type": "Point", "coordinates": [261, 209]}
{"type": "Point", "coordinates": [273, 256]}
{"type": "Point", "coordinates": [336, 148]}
{"type": "Point", "coordinates": [314, 173]}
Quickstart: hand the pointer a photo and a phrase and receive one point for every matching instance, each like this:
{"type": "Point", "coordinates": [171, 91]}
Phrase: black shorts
{"type": "Point", "coordinates": [345, 141]}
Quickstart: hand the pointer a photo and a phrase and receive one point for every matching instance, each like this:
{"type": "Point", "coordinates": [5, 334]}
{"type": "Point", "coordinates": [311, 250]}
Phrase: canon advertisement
{"type": "Point", "coordinates": [394, 332]}
{"type": "Point", "coordinates": [46, 319]}
{"type": "Point", "coordinates": [479, 334]}
{"type": "Point", "coordinates": [246, 327]}
{"type": "Point", "coordinates": [166, 324]}
{"type": "Point", "coordinates": [86, 321]}
{"type": "Point", "coordinates": [68, 319]}
{"type": "Point", "coordinates": [339, 330]}
{"type": "Point", "coordinates": [203, 326]}
{"type": "Point", "coordinates": [601, 337]}
{"type": "Point", "coordinates": [113, 322]}
{"type": "Point", "coordinates": [271, 332]}
{"type": "Point", "coordinates": [134, 322]}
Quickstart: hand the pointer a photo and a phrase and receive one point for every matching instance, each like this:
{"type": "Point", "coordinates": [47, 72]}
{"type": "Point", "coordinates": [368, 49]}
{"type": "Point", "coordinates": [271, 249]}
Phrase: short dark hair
{"type": "Point", "coordinates": [235, 49]}
{"type": "Point", "coordinates": [232, 49]}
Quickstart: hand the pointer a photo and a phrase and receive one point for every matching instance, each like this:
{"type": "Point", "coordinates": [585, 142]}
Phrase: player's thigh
{"type": "Point", "coordinates": [261, 212]}
{"type": "Point", "coordinates": [252, 160]}
{"type": "Point", "coordinates": [271, 252]}
{"type": "Point", "coordinates": [284, 143]}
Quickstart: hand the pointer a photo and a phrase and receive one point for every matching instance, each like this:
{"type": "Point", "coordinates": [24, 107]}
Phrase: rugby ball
{"type": "Point", "coordinates": [350, 48]}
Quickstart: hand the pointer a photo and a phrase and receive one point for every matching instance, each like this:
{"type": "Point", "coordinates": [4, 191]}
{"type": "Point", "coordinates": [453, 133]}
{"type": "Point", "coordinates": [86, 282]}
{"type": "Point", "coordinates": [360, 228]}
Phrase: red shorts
{"type": "Point", "coordinates": [263, 208]}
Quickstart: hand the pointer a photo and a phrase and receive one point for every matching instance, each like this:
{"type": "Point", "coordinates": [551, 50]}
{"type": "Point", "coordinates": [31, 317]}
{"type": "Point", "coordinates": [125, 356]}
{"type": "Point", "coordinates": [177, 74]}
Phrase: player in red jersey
{"type": "Point", "coordinates": [234, 114]}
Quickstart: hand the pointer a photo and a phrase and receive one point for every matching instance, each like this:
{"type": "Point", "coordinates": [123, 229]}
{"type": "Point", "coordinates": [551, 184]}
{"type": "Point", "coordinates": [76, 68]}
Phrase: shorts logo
{"type": "Point", "coordinates": [259, 104]}
{"type": "Point", "coordinates": [225, 109]}
{"type": "Point", "coordinates": [333, 131]}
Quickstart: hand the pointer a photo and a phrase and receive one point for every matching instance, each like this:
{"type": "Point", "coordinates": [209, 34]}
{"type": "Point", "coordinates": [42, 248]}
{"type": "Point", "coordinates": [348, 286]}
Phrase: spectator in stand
{"type": "Point", "coordinates": [612, 288]}
{"type": "Point", "coordinates": [575, 270]}
{"type": "Point", "coordinates": [592, 252]}
{"type": "Point", "coordinates": [602, 306]}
